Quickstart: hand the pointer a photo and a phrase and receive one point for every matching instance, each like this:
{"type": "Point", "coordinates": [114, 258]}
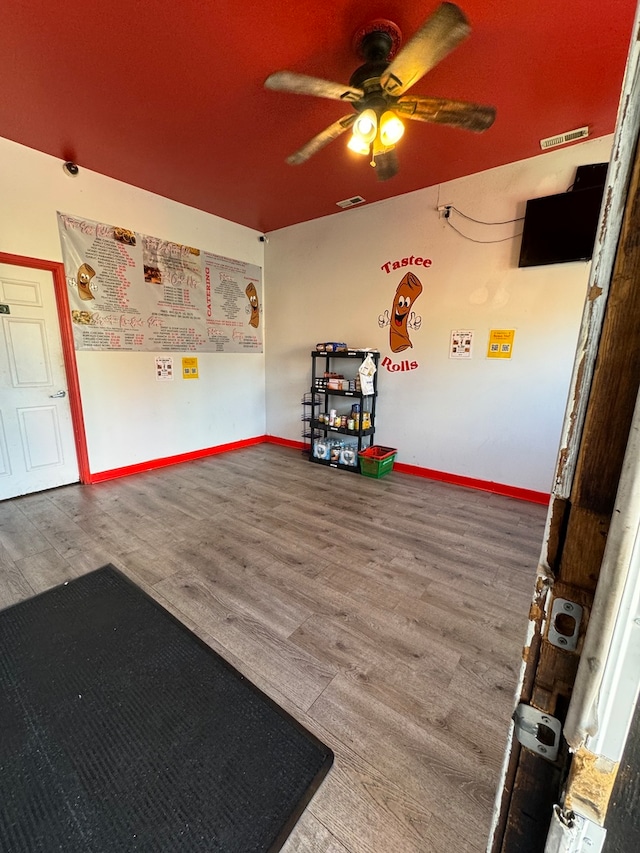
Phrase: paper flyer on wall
{"type": "Point", "coordinates": [500, 343]}
{"type": "Point", "coordinates": [461, 344]}
{"type": "Point", "coordinates": [131, 291]}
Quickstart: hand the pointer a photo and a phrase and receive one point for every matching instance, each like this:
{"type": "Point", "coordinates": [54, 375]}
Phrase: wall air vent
{"type": "Point", "coordinates": [563, 138]}
{"type": "Point", "coordinates": [349, 202]}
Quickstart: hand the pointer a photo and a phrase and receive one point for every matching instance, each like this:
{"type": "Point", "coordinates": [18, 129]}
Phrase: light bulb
{"type": "Point", "coordinates": [357, 144]}
{"type": "Point", "coordinates": [365, 126]}
{"type": "Point", "coordinates": [391, 129]}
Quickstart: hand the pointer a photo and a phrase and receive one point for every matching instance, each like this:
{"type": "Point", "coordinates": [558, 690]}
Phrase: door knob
{"type": "Point", "coordinates": [58, 394]}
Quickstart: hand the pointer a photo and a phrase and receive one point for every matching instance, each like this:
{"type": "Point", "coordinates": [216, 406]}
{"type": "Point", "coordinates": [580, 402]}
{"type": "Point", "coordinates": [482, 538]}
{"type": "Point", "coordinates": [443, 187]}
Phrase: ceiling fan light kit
{"type": "Point", "coordinates": [358, 145]}
{"type": "Point", "coordinates": [373, 135]}
{"type": "Point", "coordinates": [377, 89]}
{"type": "Point", "coordinates": [365, 126]}
{"type": "Point", "coordinates": [391, 128]}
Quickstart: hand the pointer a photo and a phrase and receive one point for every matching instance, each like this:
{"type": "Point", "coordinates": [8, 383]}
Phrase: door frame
{"type": "Point", "coordinates": [56, 268]}
{"type": "Point", "coordinates": [582, 514]}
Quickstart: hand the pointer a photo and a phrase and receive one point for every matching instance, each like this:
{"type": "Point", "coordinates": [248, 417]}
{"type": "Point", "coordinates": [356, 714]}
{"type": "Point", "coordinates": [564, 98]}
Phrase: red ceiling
{"type": "Point", "coordinates": [168, 96]}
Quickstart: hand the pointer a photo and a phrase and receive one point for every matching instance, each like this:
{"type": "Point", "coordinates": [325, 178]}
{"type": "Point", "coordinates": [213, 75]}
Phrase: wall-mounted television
{"type": "Point", "coordinates": [561, 228]}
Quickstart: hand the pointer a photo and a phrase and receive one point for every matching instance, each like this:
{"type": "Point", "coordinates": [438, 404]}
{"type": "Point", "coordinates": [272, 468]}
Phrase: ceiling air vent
{"type": "Point", "coordinates": [349, 202]}
{"type": "Point", "coordinates": [563, 138]}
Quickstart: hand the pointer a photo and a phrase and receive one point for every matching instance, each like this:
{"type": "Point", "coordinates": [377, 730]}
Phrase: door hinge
{"type": "Point", "coordinates": [537, 731]}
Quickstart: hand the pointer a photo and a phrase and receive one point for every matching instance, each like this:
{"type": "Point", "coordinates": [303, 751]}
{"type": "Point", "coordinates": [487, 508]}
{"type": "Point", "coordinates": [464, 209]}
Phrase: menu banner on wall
{"type": "Point", "coordinates": [130, 291]}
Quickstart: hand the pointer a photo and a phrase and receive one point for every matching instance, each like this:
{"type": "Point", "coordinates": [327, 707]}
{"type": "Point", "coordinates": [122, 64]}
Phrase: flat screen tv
{"type": "Point", "coordinates": [560, 228]}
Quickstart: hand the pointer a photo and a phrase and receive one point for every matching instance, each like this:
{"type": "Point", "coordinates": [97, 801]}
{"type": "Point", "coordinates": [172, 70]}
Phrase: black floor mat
{"type": "Point", "coordinates": [120, 730]}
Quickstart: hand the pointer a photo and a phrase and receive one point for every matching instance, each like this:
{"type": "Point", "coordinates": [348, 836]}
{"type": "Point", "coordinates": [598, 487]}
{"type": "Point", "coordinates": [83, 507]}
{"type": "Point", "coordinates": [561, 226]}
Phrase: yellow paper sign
{"type": "Point", "coordinates": [190, 368]}
{"type": "Point", "coordinates": [500, 343]}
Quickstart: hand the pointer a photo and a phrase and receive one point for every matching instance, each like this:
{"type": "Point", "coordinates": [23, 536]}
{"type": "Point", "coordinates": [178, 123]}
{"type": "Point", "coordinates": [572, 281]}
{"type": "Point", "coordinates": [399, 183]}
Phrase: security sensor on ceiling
{"type": "Point", "coordinates": [71, 169]}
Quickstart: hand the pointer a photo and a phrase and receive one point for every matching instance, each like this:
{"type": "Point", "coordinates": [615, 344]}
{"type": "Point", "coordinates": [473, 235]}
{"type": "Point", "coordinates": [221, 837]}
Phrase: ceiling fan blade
{"type": "Point", "coordinates": [476, 117]}
{"type": "Point", "coordinates": [328, 135]}
{"type": "Point", "coordinates": [439, 34]}
{"type": "Point", "coordinates": [302, 84]}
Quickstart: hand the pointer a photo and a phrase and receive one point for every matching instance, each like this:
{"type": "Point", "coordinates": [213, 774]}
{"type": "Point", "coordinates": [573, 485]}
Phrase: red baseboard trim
{"type": "Point", "coordinates": [471, 483]}
{"type": "Point", "coordinates": [428, 473]}
{"type": "Point", "coordinates": [152, 464]}
{"type": "Point", "coordinates": [285, 442]}
{"type": "Point", "coordinates": [442, 476]}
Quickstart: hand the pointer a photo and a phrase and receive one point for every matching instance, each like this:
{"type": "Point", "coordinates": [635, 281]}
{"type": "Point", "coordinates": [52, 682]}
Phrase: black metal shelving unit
{"type": "Point", "coordinates": [310, 405]}
{"type": "Point", "coordinates": [326, 362]}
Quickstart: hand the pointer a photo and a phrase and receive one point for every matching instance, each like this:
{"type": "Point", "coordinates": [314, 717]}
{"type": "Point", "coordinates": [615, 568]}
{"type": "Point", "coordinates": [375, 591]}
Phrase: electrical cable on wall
{"type": "Point", "coordinates": [466, 237]}
{"type": "Point", "coordinates": [447, 215]}
{"type": "Point", "coordinates": [481, 221]}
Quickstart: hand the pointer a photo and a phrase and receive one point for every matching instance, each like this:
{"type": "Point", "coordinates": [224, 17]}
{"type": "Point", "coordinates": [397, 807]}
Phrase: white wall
{"type": "Point", "coordinates": [130, 417]}
{"type": "Point", "coordinates": [494, 420]}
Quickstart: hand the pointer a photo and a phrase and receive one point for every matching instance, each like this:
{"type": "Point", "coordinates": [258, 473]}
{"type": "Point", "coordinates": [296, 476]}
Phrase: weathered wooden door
{"type": "Point", "coordinates": [596, 433]}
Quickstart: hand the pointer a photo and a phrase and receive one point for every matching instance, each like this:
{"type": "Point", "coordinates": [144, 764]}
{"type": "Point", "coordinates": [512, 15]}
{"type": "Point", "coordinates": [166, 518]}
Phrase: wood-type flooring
{"type": "Point", "coordinates": [388, 616]}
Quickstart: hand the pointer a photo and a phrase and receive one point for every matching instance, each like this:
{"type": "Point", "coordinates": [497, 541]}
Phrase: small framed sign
{"type": "Point", "coordinates": [461, 343]}
{"type": "Point", "coordinates": [500, 343]}
{"type": "Point", "coordinates": [190, 368]}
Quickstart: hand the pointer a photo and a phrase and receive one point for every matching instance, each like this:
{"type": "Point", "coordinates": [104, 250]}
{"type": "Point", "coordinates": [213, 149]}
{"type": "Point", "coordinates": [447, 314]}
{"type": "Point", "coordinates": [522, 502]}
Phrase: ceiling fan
{"type": "Point", "coordinates": [376, 89]}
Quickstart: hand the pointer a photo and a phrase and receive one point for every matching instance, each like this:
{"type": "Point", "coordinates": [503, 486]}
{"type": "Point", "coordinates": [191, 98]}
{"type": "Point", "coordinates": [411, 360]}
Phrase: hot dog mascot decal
{"type": "Point", "coordinates": [402, 316]}
{"type": "Point", "coordinates": [254, 307]}
{"type": "Point", "coordinates": [85, 274]}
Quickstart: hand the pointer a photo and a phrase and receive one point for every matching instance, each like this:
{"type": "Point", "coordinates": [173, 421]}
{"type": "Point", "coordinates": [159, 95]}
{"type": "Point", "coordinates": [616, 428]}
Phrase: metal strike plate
{"type": "Point", "coordinates": [537, 731]}
{"type": "Point", "coordinates": [564, 625]}
{"type": "Point", "coordinates": [4, 309]}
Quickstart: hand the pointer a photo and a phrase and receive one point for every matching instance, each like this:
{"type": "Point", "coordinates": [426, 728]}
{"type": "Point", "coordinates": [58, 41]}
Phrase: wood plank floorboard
{"type": "Point", "coordinates": [388, 616]}
{"type": "Point", "coordinates": [14, 586]}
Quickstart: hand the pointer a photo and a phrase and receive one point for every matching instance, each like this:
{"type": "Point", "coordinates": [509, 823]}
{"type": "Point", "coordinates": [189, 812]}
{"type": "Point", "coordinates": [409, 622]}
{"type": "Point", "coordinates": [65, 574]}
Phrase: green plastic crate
{"type": "Point", "coordinates": [377, 461]}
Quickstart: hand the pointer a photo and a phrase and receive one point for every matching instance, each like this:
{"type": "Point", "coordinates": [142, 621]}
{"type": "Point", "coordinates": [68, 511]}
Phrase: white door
{"type": "Point", "coordinates": [37, 448]}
